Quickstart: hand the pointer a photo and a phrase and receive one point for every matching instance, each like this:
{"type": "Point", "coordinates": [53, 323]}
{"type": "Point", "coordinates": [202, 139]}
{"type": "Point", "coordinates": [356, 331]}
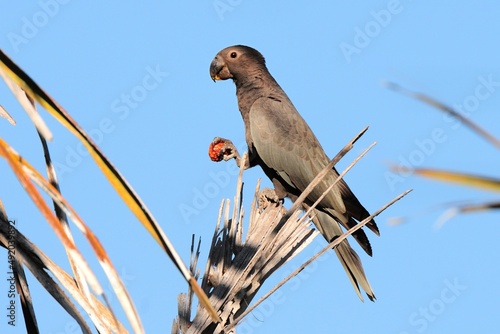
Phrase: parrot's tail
{"type": "Point", "coordinates": [354, 269]}
{"type": "Point", "coordinates": [330, 229]}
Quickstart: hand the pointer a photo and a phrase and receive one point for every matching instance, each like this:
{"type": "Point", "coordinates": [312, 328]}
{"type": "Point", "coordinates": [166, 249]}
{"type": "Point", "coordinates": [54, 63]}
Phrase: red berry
{"type": "Point", "coordinates": [214, 151]}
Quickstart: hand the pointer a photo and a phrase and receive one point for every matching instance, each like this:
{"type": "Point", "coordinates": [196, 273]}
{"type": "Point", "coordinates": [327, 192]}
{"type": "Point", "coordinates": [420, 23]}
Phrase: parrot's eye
{"type": "Point", "coordinates": [233, 55]}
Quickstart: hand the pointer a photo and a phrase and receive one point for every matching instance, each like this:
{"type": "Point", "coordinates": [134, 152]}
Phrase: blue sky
{"type": "Point", "coordinates": [135, 76]}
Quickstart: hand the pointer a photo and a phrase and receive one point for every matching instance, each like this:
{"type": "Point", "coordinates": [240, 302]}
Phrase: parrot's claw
{"type": "Point", "coordinates": [268, 197]}
{"type": "Point", "coordinates": [222, 149]}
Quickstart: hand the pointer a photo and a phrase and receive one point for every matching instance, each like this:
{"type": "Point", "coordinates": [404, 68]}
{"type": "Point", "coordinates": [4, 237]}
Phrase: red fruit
{"type": "Point", "coordinates": [214, 151]}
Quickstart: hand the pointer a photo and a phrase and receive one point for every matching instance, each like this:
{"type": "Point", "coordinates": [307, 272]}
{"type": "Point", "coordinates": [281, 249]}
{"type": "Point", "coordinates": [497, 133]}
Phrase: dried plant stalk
{"type": "Point", "coordinates": [237, 269]}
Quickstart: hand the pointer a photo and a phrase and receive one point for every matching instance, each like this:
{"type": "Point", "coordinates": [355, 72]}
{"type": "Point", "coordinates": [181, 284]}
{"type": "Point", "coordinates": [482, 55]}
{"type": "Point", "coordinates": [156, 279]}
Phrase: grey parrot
{"type": "Point", "coordinates": [282, 144]}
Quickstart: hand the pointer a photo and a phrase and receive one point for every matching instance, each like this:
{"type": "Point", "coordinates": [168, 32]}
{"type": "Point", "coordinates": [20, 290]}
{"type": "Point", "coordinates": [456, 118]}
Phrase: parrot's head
{"type": "Point", "coordinates": [236, 62]}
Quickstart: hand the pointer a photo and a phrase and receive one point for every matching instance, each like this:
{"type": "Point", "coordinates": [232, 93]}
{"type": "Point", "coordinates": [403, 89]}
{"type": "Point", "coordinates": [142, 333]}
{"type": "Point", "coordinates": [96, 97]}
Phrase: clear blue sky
{"type": "Point", "coordinates": [136, 77]}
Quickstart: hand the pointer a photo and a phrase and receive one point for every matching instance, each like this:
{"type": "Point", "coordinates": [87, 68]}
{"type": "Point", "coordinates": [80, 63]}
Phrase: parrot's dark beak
{"type": "Point", "coordinates": [219, 70]}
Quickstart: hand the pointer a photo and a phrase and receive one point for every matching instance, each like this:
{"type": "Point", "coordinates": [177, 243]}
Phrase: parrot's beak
{"type": "Point", "coordinates": [219, 70]}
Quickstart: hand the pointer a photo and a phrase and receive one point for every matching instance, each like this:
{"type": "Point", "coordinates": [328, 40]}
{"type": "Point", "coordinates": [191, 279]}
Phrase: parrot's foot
{"type": "Point", "coordinates": [224, 149]}
{"type": "Point", "coordinates": [268, 197]}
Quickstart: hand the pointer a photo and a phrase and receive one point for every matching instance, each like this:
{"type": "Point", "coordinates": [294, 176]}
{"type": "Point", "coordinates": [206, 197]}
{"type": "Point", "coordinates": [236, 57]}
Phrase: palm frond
{"type": "Point", "coordinates": [26, 89]}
